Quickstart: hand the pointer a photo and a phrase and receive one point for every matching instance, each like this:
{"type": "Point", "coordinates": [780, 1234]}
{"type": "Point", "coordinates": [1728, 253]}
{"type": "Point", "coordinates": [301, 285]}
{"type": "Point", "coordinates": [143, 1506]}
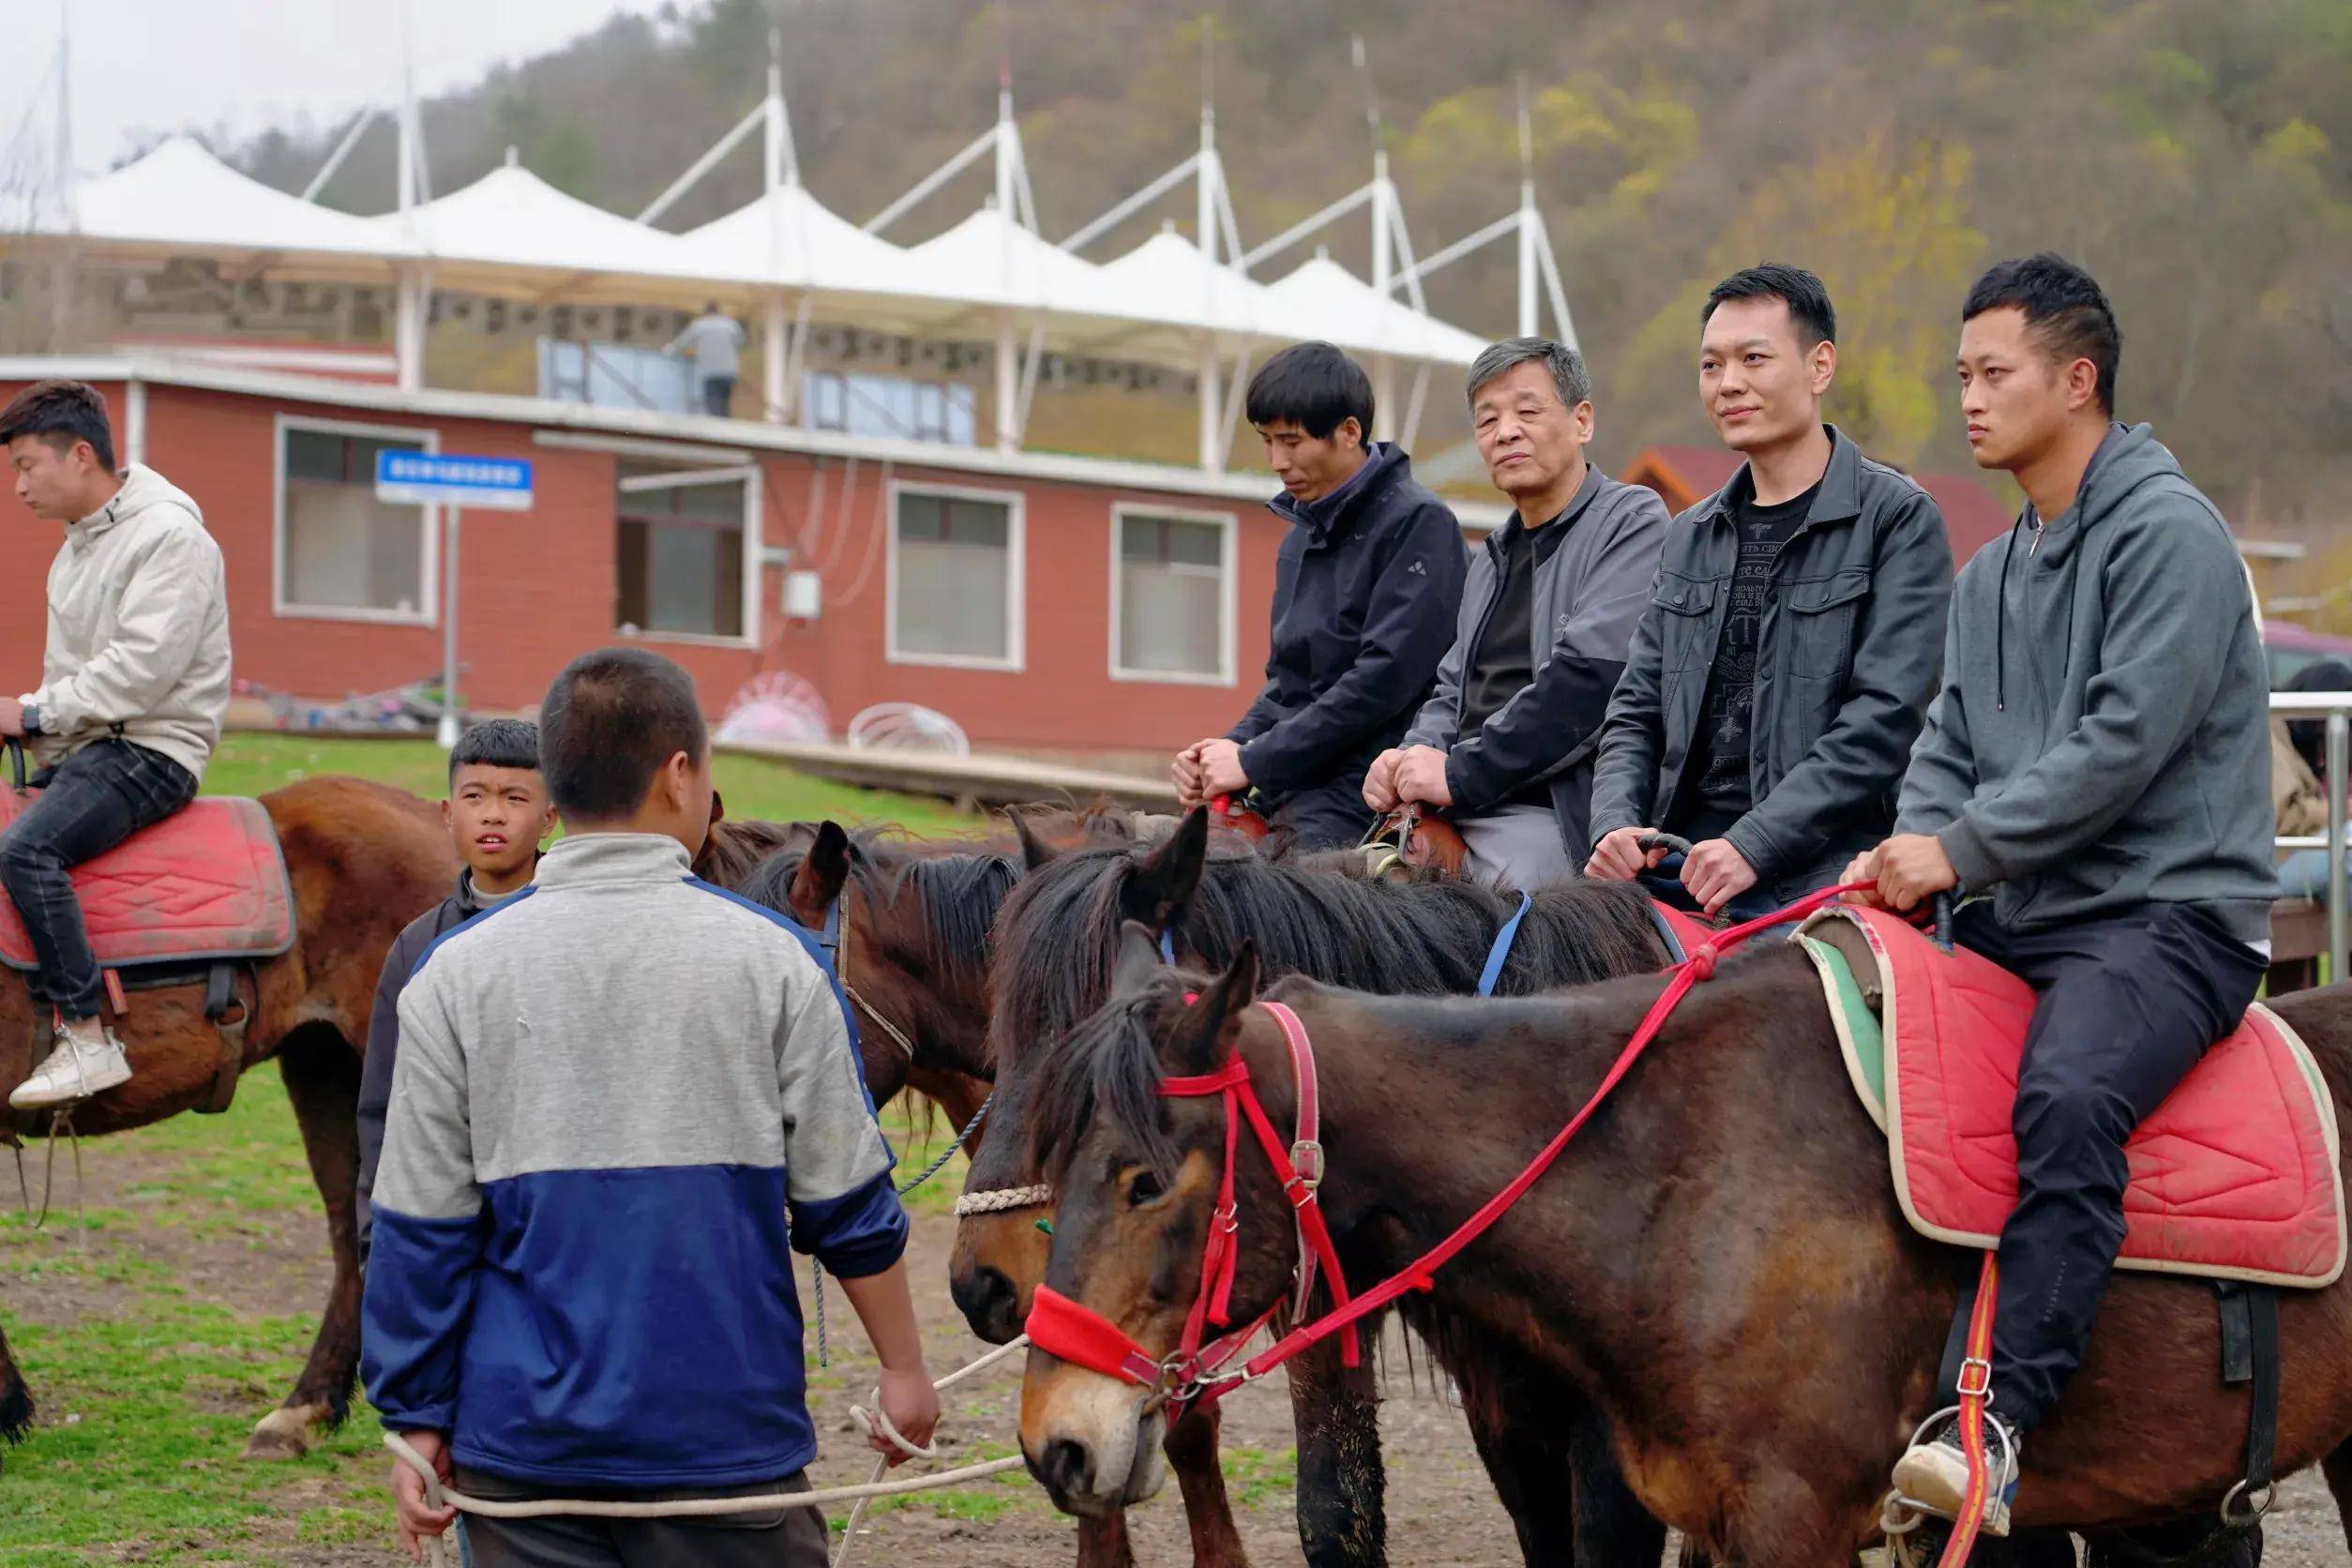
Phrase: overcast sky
{"type": "Point", "coordinates": [166, 65]}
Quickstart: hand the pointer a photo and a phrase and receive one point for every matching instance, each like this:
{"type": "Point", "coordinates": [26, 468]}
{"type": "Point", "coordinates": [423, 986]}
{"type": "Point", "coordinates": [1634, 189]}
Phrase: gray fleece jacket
{"type": "Point", "coordinates": [2102, 738]}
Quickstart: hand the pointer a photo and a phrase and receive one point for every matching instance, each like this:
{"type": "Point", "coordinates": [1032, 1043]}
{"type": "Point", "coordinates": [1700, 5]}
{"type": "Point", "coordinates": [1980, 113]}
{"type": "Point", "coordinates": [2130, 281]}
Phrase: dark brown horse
{"type": "Point", "coordinates": [365, 859]}
{"type": "Point", "coordinates": [1054, 945]}
{"type": "Point", "coordinates": [1718, 1260]}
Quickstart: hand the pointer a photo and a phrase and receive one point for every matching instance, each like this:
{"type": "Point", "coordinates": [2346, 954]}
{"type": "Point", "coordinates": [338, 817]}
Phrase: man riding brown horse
{"type": "Point", "coordinates": [134, 682]}
{"type": "Point", "coordinates": [2096, 761]}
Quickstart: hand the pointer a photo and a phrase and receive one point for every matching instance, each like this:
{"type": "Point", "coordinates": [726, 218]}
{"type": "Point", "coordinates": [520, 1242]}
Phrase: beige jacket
{"type": "Point", "coordinates": [138, 629]}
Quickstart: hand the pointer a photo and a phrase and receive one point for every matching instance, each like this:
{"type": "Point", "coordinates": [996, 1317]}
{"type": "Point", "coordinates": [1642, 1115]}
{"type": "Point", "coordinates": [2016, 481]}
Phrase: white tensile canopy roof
{"type": "Point", "coordinates": [1167, 278]}
{"type": "Point", "coordinates": [792, 240]}
{"type": "Point", "coordinates": [511, 233]}
{"type": "Point", "coordinates": [1323, 299]}
{"type": "Point", "coordinates": [511, 222]}
{"type": "Point", "coordinates": [180, 198]}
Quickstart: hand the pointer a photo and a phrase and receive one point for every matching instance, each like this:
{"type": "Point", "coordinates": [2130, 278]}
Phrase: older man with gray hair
{"type": "Point", "coordinates": [1504, 746]}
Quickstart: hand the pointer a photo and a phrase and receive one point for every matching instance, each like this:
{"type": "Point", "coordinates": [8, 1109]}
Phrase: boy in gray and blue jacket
{"type": "Point", "coordinates": [2097, 760]}
{"type": "Point", "coordinates": [620, 1096]}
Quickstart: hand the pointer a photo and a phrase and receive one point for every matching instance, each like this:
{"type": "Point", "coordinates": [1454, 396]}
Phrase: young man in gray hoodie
{"type": "Point", "coordinates": [134, 683]}
{"type": "Point", "coordinates": [2098, 761]}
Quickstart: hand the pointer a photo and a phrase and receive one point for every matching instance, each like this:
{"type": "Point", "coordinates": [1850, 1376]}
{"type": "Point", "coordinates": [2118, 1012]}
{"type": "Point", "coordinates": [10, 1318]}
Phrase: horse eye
{"type": "Point", "coordinates": [1144, 1188]}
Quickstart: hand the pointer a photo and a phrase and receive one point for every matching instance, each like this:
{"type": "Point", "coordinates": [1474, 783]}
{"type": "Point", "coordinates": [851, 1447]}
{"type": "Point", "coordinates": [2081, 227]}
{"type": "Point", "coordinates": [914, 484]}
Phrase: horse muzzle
{"type": "Point", "coordinates": [1091, 1441]}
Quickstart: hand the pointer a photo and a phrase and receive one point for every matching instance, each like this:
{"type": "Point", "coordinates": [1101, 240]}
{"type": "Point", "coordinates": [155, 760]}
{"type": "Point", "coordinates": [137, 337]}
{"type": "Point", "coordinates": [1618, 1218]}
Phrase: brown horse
{"type": "Point", "coordinates": [1718, 1260]}
{"type": "Point", "coordinates": [1054, 946]}
{"type": "Point", "coordinates": [364, 859]}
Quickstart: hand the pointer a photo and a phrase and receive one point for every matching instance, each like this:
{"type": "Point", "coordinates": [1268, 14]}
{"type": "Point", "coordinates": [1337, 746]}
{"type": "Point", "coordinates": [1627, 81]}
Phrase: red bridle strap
{"type": "Point", "coordinates": [1079, 1334]}
{"type": "Point", "coordinates": [1416, 1275]}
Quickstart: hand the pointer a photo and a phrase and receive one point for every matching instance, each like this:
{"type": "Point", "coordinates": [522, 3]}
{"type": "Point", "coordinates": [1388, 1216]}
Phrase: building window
{"type": "Point", "coordinates": [955, 578]}
{"type": "Point", "coordinates": [1171, 609]}
{"type": "Point", "coordinates": [339, 549]}
{"type": "Point", "coordinates": [680, 536]}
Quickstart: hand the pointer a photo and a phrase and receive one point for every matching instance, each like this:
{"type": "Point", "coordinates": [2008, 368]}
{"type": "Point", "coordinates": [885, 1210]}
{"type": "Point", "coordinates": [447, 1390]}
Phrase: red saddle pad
{"type": "Point", "coordinates": [2236, 1175]}
{"type": "Point", "coordinates": [207, 882]}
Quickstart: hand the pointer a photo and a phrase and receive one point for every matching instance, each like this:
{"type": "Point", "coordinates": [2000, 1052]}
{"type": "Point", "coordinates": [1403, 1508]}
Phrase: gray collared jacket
{"type": "Point", "coordinates": [1586, 596]}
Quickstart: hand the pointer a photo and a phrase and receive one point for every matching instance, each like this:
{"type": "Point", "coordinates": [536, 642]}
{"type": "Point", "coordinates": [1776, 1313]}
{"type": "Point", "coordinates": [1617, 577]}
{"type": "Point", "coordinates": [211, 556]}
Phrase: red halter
{"type": "Point", "coordinates": [1084, 1338]}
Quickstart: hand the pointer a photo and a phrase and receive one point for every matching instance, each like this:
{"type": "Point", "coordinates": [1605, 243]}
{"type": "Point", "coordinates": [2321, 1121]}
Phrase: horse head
{"type": "Point", "coordinates": [1139, 1177]}
{"type": "Point", "coordinates": [1056, 949]}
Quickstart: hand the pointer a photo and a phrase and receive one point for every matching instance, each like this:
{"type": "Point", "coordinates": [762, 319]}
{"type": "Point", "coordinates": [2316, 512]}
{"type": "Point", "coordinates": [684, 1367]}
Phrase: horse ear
{"type": "Point", "coordinates": [1163, 885]}
{"type": "Point", "coordinates": [821, 874]}
{"type": "Point", "coordinates": [718, 807]}
{"type": "Point", "coordinates": [1139, 961]}
{"type": "Point", "coordinates": [1208, 1032]}
{"type": "Point", "coordinates": [1035, 852]}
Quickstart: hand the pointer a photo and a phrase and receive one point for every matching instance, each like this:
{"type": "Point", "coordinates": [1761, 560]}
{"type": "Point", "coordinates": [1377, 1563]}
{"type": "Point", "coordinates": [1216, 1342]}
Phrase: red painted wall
{"type": "Point", "coordinates": [539, 587]}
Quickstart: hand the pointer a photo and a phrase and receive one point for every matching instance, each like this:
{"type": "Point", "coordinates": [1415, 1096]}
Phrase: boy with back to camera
{"type": "Point", "coordinates": [621, 1098]}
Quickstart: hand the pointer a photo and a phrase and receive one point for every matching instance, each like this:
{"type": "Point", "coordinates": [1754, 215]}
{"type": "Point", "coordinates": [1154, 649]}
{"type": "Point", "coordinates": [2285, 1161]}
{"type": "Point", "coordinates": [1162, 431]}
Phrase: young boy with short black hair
{"type": "Point", "coordinates": [498, 815]}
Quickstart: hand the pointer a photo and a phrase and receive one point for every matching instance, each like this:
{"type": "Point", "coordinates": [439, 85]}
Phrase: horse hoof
{"type": "Point", "coordinates": [284, 1433]}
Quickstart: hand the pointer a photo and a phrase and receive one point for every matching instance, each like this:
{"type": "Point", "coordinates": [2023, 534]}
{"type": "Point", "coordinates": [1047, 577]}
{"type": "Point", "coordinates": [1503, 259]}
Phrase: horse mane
{"type": "Point", "coordinates": [959, 885]}
{"type": "Point", "coordinates": [1108, 1062]}
{"type": "Point", "coordinates": [1424, 935]}
{"type": "Point", "coordinates": [737, 846]}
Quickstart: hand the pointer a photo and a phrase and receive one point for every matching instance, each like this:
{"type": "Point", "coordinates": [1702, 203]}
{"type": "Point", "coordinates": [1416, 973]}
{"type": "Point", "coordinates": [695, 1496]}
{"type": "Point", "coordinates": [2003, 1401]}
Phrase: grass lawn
{"type": "Point", "coordinates": [251, 764]}
{"type": "Point", "coordinates": [154, 1348]}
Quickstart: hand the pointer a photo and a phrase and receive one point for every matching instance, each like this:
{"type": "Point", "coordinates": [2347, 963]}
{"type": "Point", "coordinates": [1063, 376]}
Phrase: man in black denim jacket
{"type": "Point", "coordinates": [1781, 669]}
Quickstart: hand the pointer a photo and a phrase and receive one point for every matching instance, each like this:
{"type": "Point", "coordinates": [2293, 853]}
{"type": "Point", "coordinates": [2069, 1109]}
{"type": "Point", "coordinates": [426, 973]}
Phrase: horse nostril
{"type": "Point", "coordinates": [989, 1304]}
{"type": "Point", "coordinates": [1067, 1468]}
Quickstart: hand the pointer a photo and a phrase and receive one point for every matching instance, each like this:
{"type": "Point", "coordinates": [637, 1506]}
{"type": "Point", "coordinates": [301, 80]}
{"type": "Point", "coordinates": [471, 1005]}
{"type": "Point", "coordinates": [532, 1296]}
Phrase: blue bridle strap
{"type": "Point", "coordinates": [1167, 947]}
{"type": "Point", "coordinates": [1499, 954]}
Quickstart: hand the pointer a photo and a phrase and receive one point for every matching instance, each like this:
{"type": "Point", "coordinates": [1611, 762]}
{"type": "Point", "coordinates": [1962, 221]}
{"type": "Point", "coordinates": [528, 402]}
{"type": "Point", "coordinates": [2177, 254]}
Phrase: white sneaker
{"type": "Point", "coordinates": [87, 1061]}
{"type": "Point", "coordinates": [1934, 1474]}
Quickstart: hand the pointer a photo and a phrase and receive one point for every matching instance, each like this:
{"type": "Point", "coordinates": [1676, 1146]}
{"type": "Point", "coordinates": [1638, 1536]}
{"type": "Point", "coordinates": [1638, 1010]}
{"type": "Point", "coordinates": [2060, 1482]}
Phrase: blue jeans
{"type": "Point", "coordinates": [89, 803]}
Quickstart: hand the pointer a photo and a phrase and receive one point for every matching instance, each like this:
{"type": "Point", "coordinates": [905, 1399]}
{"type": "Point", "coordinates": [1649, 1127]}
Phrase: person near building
{"type": "Point", "coordinates": [713, 344]}
{"type": "Point", "coordinates": [2096, 761]}
{"type": "Point", "coordinates": [1504, 744]}
{"type": "Point", "coordinates": [1780, 671]}
{"type": "Point", "coordinates": [134, 684]}
{"type": "Point", "coordinates": [498, 815]}
{"type": "Point", "coordinates": [1366, 587]}
{"type": "Point", "coordinates": [622, 1097]}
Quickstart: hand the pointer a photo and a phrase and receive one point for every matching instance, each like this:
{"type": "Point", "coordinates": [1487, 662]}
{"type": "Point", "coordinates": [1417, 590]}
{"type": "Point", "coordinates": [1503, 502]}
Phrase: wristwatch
{"type": "Point", "coordinates": [31, 719]}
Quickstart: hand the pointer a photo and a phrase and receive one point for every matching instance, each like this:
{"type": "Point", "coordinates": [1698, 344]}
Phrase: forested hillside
{"type": "Point", "coordinates": [2198, 154]}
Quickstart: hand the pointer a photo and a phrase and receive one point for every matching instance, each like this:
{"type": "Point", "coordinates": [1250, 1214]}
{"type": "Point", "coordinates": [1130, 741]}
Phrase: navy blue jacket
{"type": "Point", "coordinates": [1366, 591]}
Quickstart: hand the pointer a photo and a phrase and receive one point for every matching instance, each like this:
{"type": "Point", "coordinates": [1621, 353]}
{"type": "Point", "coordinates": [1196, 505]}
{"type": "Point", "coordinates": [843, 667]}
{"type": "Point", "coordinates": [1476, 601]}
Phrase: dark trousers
{"type": "Point", "coordinates": [775, 1538]}
{"type": "Point", "coordinates": [89, 803]}
{"type": "Point", "coordinates": [718, 395]}
{"type": "Point", "coordinates": [1326, 817]}
{"type": "Point", "coordinates": [2128, 1006]}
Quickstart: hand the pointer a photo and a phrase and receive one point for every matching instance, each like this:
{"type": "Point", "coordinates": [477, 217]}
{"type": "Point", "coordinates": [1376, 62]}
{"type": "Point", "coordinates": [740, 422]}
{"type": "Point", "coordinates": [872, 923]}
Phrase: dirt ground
{"type": "Point", "coordinates": [1440, 1510]}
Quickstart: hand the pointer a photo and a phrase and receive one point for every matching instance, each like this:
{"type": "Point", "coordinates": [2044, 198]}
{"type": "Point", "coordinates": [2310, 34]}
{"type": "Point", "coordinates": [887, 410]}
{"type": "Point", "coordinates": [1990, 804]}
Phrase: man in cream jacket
{"type": "Point", "coordinates": [134, 682]}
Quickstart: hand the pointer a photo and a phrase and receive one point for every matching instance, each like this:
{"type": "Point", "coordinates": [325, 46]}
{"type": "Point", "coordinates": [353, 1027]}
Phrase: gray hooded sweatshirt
{"type": "Point", "coordinates": [2102, 738]}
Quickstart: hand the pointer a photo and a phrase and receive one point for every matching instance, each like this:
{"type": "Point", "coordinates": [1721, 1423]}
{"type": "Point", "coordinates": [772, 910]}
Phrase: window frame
{"type": "Point", "coordinates": [428, 439]}
{"type": "Point", "coordinates": [1228, 567]}
{"type": "Point", "coordinates": [1016, 504]}
{"type": "Point", "coordinates": [752, 476]}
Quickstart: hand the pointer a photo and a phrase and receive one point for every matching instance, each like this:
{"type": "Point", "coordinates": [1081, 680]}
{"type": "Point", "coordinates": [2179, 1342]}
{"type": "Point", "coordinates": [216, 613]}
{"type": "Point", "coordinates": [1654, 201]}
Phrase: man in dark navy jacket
{"type": "Point", "coordinates": [1367, 590]}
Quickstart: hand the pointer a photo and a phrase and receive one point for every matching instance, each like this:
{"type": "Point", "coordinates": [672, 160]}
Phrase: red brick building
{"type": "Point", "coordinates": [1045, 603]}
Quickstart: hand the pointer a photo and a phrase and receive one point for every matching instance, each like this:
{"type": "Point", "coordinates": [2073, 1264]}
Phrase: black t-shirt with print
{"type": "Point", "coordinates": [1716, 790]}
